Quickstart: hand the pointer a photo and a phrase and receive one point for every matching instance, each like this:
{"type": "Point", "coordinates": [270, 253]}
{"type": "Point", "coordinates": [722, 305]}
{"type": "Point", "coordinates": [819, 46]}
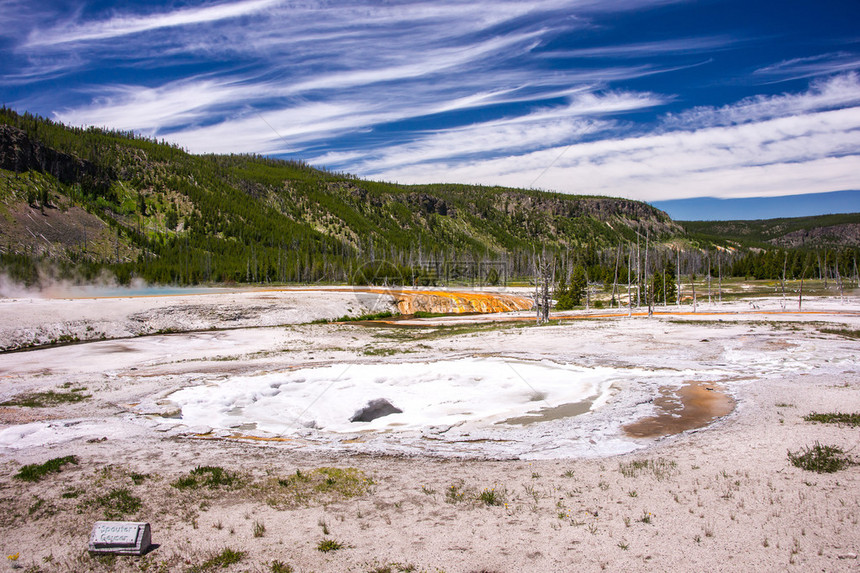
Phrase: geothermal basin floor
{"type": "Point", "coordinates": [595, 443]}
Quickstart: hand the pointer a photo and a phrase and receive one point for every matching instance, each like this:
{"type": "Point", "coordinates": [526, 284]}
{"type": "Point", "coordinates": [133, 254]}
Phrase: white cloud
{"type": "Point", "coordinates": [276, 132]}
{"type": "Point", "coordinates": [810, 66]}
{"type": "Point", "coordinates": [801, 154]}
{"type": "Point", "coordinates": [683, 46]}
{"type": "Point", "coordinates": [540, 129]}
{"type": "Point", "coordinates": [839, 91]}
{"type": "Point", "coordinates": [146, 110]}
{"type": "Point", "coordinates": [173, 105]}
{"type": "Point", "coordinates": [420, 66]}
{"type": "Point", "coordinates": [196, 112]}
{"type": "Point", "coordinates": [122, 25]}
{"type": "Point", "coordinates": [410, 59]}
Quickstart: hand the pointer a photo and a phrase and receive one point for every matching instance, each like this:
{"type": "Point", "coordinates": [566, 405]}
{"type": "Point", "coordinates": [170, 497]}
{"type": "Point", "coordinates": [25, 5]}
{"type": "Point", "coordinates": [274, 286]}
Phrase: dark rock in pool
{"type": "Point", "coordinates": [375, 409]}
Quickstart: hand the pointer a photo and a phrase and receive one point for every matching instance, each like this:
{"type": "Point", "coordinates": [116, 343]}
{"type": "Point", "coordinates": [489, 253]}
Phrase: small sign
{"type": "Point", "coordinates": [121, 537]}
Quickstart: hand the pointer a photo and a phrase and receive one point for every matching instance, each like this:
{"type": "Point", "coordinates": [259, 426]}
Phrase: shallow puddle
{"type": "Point", "coordinates": [694, 405]}
{"type": "Point", "coordinates": [549, 414]}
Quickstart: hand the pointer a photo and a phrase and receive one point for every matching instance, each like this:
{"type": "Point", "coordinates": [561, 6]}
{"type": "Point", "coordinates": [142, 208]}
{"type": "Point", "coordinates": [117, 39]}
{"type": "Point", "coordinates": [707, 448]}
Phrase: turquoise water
{"type": "Point", "coordinates": [134, 291]}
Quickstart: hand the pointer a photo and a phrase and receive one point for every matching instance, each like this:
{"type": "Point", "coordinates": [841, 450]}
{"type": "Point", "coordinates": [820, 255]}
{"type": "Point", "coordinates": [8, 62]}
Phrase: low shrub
{"type": "Point", "coordinates": [491, 497]}
{"type": "Point", "coordinates": [327, 545]}
{"type": "Point", "coordinates": [206, 476]}
{"type": "Point", "coordinates": [221, 560]}
{"type": "Point", "coordinates": [45, 399]}
{"type": "Point", "coordinates": [852, 420]}
{"type": "Point", "coordinates": [660, 468]}
{"type": "Point", "coordinates": [118, 503]}
{"type": "Point", "coordinates": [35, 472]}
{"type": "Point", "coordinates": [820, 459]}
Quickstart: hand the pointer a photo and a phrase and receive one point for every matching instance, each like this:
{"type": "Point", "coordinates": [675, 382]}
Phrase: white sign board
{"type": "Point", "coordinates": [123, 537]}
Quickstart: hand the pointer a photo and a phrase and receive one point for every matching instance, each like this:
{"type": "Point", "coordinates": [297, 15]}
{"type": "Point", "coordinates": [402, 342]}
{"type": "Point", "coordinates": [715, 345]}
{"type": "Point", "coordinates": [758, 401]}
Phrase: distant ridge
{"type": "Point", "coordinates": [840, 230]}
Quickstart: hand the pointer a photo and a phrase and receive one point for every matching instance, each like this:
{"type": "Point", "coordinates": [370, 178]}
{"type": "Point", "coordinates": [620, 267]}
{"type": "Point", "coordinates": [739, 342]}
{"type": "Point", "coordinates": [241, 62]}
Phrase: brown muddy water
{"type": "Point", "coordinates": [694, 405]}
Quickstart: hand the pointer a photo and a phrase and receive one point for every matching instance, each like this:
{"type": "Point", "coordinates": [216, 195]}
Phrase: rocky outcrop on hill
{"type": "Point", "coordinates": [19, 153]}
{"type": "Point", "coordinates": [836, 235]}
{"type": "Point", "coordinates": [599, 208]}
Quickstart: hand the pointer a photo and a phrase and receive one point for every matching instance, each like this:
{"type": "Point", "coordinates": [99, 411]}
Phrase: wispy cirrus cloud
{"type": "Point", "coordinates": [647, 50]}
{"type": "Point", "coordinates": [171, 107]}
{"type": "Point", "coordinates": [836, 92]}
{"type": "Point", "coordinates": [123, 25]}
{"type": "Point", "coordinates": [377, 86]}
{"type": "Point", "coordinates": [513, 135]}
{"type": "Point", "coordinates": [810, 66]}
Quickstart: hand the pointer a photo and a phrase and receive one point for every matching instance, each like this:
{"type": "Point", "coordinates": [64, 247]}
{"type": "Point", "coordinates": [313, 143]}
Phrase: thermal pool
{"type": "Point", "coordinates": [512, 403]}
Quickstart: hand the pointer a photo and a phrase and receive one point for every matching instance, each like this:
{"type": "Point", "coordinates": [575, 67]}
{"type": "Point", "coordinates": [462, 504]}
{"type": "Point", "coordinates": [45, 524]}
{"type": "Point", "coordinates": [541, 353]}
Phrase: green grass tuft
{"type": "Point", "coordinates": [491, 497]}
{"type": "Point", "coordinates": [35, 472]}
{"type": "Point", "coordinates": [424, 314]}
{"type": "Point", "coordinates": [846, 332]}
{"type": "Point", "coordinates": [455, 494]}
{"type": "Point", "coordinates": [373, 316]}
{"type": "Point", "coordinates": [821, 459]}
{"type": "Point", "coordinates": [280, 567]}
{"type": "Point", "coordinates": [221, 560]}
{"type": "Point", "coordinates": [118, 503]}
{"type": "Point", "coordinates": [45, 399]}
{"type": "Point", "coordinates": [206, 476]}
{"type": "Point", "coordinates": [852, 420]}
{"type": "Point", "coordinates": [321, 484]}
{"type": "Point", "coordinates": [394, 568]}
{"type": "Point", "coordinates": [259, 529]}
{"type": "Point", "coordinates": [327, 545]}
{"type": "Point", "coordinates": [660, 468]}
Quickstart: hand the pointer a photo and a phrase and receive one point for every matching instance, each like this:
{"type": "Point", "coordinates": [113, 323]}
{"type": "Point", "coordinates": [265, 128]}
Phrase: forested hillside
{"type": "Point", "coordinates": [85, 203]}
{"type": "Point", "coordinates": [92, 199]}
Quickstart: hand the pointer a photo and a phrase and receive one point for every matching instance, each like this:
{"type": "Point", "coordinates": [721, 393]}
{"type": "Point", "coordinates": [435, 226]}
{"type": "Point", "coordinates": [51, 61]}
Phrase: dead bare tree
{"type": "Point", "coordinates": [629, 271]}
{"type": "Point", "coordinates": [649, 292]}
{"type": "Point", "coordinates": [678, 290]}
{"type": "Point", "coordinates": [800, 292]}
{"type": "Point", "coordinates": [784, 267]}
{"type": "Point", "coordinates": [536, 278]}
{"type": "Point", "coordinates": [587, 290]}
{"type": "Point", "coordinates": [839, 282]}
{"type": "Point", "coordinates": [638, 273]}
{"type": "Point", "coordinates": [709, 278]}
{"type": "Point", "coordinates": [615, 278]}
{"type": "Point", "coordinates": [856, 275]}
{"type": "Point", "coordinates": [820, 269]}
{"type": "Point", "coordinates": [720, 274]}
{"type": "Point", "coordinates": [693, 287]}
{"type": "Point", "coordinates": [544, 278]}
{"type": "Point", "coordinates": [664, 287]}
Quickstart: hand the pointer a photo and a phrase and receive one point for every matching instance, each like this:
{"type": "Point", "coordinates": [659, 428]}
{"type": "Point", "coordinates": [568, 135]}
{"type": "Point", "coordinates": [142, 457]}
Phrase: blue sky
{"type": "Point", "coordinates": [656, 100]}
{"type": "Point", "coordinates": [750, 208]}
